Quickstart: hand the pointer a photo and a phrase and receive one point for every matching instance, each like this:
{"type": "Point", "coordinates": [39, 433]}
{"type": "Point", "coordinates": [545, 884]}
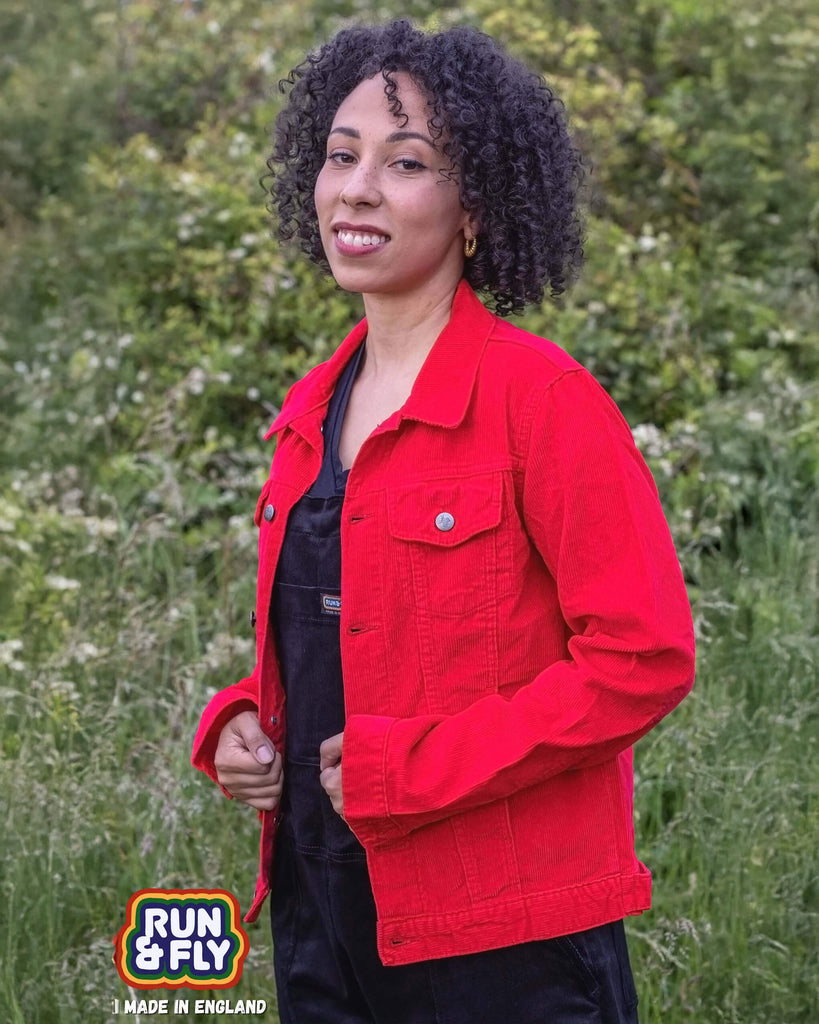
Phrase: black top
{"type": "Point", "coordinates": [332, 479]}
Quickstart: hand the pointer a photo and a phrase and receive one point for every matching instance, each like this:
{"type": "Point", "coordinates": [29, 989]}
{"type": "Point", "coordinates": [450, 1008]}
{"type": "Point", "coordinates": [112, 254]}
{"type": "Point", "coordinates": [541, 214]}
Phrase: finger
{"type": "Point", "coordinates": [256, 798]}
{"type": "Point", "coordinates": [242, 788]}
{"type": "Point", "coordinates": [261, 804]}
{"type": "Point", "coordinates": [236, 759]}
{"type": "Point", "coordinates": [250, 780]}
{"type": "Point", "coordinates": [249, 733]}
{"type": "Point", "coordinates": [330, 752]}
{"type": "Point", "coordinates": [233, 780]}
{"type": "Point", "coordinates": [332, 743]}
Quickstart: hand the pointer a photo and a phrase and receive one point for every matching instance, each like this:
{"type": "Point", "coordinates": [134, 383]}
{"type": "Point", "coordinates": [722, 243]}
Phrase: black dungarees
{"type": "Point", "coordinates": [323, 915]}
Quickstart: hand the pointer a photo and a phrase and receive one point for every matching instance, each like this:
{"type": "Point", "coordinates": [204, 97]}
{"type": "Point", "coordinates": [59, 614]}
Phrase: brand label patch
{"type": "Point", "coordinates": [175, 937]}
{"type": "Point", "coordinates": [331, 604]}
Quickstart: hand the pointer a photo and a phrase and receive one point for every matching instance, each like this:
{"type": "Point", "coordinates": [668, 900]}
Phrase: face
{"type": "Point", "coordinates": [390, 222]}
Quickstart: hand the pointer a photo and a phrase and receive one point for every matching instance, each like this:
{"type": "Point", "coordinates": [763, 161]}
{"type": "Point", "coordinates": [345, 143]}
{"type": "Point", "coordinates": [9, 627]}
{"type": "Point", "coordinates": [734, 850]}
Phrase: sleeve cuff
{"type": "Point", "coordinates": [224, 706]}
{"type": "Point", "coordinates": [364, 782]}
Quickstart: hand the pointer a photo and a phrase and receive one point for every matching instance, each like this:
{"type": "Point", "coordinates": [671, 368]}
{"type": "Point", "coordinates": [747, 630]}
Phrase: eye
{"type": "Point", "coordinates": [408, 164]}
{"type": "Point", "coordinates": [340, 156]}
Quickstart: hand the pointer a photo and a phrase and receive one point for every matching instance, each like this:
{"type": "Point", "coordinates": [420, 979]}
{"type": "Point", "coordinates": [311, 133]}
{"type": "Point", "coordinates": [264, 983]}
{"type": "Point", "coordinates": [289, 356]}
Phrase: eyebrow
{"type": "Point", "coordinates": [394, 137]}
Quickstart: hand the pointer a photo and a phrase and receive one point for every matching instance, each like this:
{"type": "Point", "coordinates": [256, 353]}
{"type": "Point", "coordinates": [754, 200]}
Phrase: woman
{"type": "Point", "coordinates": [469, 606]}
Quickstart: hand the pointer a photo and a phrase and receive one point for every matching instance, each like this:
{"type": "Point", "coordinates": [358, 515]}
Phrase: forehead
{"type": "Point", "coordinates": [368, 102]}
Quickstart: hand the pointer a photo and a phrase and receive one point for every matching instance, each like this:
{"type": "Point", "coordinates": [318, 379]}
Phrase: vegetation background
{"type": "Point", "coordinates": [149, 329]}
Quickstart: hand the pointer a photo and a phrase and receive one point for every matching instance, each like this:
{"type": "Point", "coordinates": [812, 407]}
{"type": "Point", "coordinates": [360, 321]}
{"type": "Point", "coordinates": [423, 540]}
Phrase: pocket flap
{"type": "Point", "coordinates": [446, 512]}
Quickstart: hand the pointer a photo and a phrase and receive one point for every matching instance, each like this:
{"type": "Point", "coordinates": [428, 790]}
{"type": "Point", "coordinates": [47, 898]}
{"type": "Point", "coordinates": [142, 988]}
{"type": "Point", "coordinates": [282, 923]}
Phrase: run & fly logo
{"type": "Point", "coordinates": [175, 937]}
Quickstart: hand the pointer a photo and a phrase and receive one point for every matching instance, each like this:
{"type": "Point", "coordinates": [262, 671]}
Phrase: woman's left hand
{"type": "Point", "coordinates": [330, 768]}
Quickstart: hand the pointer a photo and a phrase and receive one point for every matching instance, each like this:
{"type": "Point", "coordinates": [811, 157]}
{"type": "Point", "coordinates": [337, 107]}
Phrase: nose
{"type": "Point", "coordinates": [361, 186]}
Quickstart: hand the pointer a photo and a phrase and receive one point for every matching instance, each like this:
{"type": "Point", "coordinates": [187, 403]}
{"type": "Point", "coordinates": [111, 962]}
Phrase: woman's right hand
{"type": "Point", "coordinates": [247, 764]}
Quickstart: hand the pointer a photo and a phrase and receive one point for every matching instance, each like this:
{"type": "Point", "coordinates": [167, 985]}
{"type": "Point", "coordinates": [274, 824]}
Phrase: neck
{"type": "Point", "coordinates": [401, 329]}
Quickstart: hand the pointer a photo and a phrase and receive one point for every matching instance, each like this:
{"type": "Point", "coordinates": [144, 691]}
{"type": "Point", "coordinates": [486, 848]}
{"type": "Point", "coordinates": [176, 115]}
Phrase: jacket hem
{"type": "Point", "coordinates": [526, 919]}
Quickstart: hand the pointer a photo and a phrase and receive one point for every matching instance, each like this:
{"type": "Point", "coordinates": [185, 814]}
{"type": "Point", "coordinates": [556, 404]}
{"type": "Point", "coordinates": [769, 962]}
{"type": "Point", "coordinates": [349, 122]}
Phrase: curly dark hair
{"type": "Point", "coordinates": [508, 145]}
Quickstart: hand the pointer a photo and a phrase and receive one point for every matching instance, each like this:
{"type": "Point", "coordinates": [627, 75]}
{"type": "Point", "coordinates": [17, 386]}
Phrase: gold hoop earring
{"type": "Point", "coordinates": [470, 245]}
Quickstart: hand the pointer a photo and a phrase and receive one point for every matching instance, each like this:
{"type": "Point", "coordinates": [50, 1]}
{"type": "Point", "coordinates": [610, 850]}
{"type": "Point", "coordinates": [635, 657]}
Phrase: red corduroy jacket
{"type": "Point", "coordinates": [513, 618]}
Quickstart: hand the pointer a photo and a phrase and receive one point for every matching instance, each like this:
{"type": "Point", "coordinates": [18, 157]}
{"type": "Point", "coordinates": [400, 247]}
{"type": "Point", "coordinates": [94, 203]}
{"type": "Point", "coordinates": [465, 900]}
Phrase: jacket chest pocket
{"type": "Point", "coordinates": [447, 540]}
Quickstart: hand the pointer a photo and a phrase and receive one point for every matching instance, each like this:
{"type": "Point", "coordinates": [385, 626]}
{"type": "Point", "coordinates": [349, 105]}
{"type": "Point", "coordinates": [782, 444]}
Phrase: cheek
{"type": "Point", "coordinates": [446, 202]}
{"type": "Point", "coordinates": [321, 192]}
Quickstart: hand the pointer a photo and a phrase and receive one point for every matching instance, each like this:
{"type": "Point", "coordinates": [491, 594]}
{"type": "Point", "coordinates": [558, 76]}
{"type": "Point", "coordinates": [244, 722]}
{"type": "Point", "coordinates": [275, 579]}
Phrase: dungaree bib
{"type": "Point", "coordinates": [323, 914]}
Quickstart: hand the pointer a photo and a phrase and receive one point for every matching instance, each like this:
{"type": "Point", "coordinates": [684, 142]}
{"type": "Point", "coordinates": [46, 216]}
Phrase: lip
{"type": "Point", "coordinates": [343, 225]}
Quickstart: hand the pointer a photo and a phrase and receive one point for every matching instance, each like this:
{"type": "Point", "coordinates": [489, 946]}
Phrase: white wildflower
{"type": "Point", "coordinates": [266, 61]}
{"type": "Point", "coordinates": [97, 527]}
{"type": "Point", "coordinates": [56, 582]}
{"type": "Point", "coordinates": [239, 145]}
{"type": "Point", "coordinates": [85, 651]}
{"type": "Point", "coordinates": [196, 381]}
{"type": "Point", "coordinates": [649, 439]}
{"type": "Point", "coordinates": [8, 649]}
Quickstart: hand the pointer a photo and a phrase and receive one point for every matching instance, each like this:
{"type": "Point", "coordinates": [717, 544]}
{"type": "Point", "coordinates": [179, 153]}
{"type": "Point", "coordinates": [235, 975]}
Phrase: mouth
{"type": "Point", "coordinates": [349, 241]}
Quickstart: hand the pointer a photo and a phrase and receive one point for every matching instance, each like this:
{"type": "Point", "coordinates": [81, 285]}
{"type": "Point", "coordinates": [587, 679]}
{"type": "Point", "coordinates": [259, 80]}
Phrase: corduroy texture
{"type": "Point", "coordinates": [495, 673]}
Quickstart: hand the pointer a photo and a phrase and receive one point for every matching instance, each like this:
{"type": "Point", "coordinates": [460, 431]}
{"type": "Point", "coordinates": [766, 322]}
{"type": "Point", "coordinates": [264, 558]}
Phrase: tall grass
{"type": "Point", "coordinates": [135, 627]}
{"type": "Point", "coordinates": [97, 795]}
{"type": "Point", "coordinates": [727, 794]}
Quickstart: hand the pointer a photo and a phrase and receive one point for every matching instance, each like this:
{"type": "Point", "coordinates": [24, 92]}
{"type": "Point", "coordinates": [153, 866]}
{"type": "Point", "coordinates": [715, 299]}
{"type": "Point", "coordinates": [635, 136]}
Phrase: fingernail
{"type": "Point", "coordinates": [264, 753]}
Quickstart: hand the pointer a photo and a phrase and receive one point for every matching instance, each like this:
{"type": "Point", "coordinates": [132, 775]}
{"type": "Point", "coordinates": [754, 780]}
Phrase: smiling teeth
{"type": "Point", "coordinates": [351, 238]}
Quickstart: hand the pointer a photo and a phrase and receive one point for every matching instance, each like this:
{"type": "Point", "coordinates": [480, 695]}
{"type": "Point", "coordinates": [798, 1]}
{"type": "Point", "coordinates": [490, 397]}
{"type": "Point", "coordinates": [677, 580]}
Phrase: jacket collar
{"type": "Point", "coordinates": [443, 387]}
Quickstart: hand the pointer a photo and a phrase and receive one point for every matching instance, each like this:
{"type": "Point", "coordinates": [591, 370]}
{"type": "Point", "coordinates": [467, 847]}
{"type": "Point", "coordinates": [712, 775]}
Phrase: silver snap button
{"type": "Point", "coordinates": [269, 512]}
{"type": "Point", "coordinates": [274, 719]}
{"type": "Point", "coordinates": [445, 521]}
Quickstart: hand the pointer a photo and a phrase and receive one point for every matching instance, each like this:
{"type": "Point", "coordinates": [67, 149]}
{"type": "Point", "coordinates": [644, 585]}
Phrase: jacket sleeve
{"type": "Point", "coordinates": [223, 706]}
{"type": "Point", "coordinates": [591, 508]}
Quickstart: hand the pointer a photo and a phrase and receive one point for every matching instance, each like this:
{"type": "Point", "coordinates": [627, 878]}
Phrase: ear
{"type": "Point", "coordinates": [471, 224]}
